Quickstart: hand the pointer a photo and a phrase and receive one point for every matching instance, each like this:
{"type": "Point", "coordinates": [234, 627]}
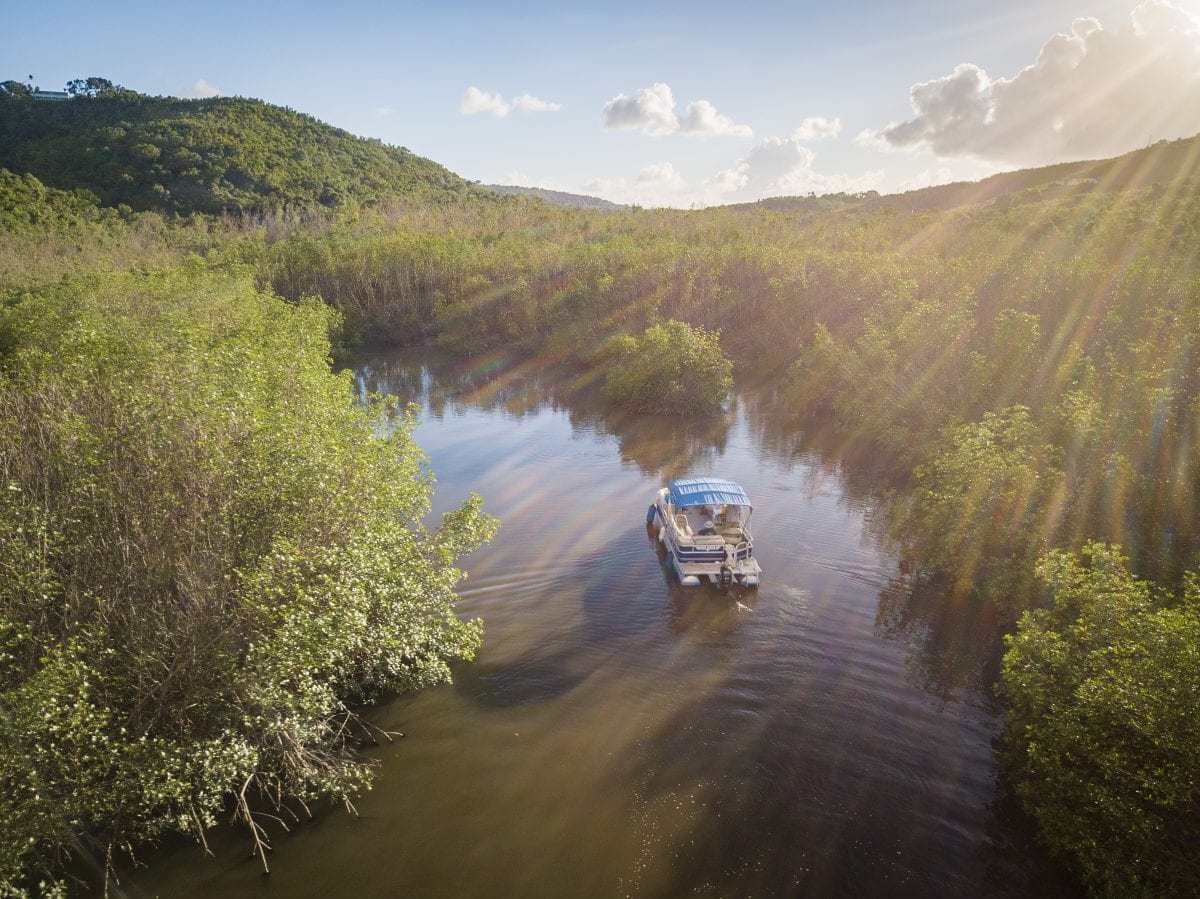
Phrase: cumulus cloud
{"type": "Point", "coordinates": [662, 175]}
{"type": "Point", "coordinates": [775, 166]}
{"type": "Point", "coordinates": [201, 90]}
{"type": "Point", "coordinates": [658, 184]}
{"type": "Point", "coordinates": [474, 101]}
{"type": "Point", "coordinates": [1093, 92]}
{"type": "Point", "coordinates": [817, 128]}
{"type": "Point", "coordinates": [783, 166]}
{"type": "Point", "coordinates": [701, 117]}
{"type": "Point", "coordinates": [652, 111]}
{"type": "Point", "coordinates": [530, 103]}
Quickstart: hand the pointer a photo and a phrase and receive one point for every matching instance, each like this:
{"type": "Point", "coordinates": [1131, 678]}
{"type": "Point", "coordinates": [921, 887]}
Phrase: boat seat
{"type": "Point", "coordinates": [682, 522]}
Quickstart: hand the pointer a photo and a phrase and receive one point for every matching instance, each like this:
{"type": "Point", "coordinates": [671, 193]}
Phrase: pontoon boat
{"type": "Point", "coordinates": [704, 526]}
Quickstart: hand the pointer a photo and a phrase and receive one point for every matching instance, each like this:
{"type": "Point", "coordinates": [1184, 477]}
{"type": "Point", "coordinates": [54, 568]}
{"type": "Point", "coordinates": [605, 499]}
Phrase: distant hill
{"type": "Point", "coordinates": [240, 156]}
{"type": "Point", "coordinates": [1161, 162]}
{"type": "Point", "coordinates": [554, 197]}
{"type": "Point", "coordinates": [813, 204]}
{"type": "Point", "coordinates": [1164, 161]}
{"type": "Point", "coordinates": [220, 155]}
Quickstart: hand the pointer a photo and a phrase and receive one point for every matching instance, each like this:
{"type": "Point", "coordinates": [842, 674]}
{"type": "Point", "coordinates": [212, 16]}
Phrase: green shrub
{"type": "Point", "coordinates": [672, 367]}
{"type": "Point", "coordinates": [1101, 735]}
{"type": "Point", "coordinates": [208, 551]}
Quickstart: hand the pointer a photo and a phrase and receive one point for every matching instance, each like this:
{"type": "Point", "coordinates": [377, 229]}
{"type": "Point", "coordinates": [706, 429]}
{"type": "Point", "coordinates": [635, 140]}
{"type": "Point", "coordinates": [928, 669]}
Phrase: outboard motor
{"type": "Point", "coordinates": [725, 578]}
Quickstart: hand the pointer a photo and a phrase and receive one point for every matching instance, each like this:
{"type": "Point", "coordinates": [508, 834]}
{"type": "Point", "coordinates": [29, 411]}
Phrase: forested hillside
{"type": "Point", "coordinates": [221, 155]}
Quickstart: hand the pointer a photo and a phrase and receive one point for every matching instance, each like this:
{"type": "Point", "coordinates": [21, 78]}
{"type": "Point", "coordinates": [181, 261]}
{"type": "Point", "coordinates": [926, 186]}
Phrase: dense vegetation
{"type": "Point", "coordinates": [28, 206]}
{"type": "Point", "coordinates": [1105, 708]}
{"type": "Point", "coordinates": [220, 155]}
{"type": "Point", "coordinates": [672, 368]}
{"type": "Point", "coordinates": [1028, 363]}
{"type": "Point", "coordinates": [208, 554]}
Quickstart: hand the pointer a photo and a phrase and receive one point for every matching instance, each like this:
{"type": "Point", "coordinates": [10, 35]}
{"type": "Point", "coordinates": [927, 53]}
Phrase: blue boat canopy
{"type": "Point", "coordinates": [707, 492]}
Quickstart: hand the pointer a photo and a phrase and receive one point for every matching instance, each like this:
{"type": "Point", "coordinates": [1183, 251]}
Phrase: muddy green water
{"type": "Point", "coordinates": [830, 733]}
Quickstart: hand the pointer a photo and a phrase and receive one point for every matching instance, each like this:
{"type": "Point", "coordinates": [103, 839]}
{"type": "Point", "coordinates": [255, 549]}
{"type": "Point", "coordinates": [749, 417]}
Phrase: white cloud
{"type": "Point", "coordinates": [662, 175]}
{"type": "Point", "coordinates": [874, 140]}
{"type": "Point", "coordinates": [658, 184]}
{"type": "Point", "coordinates": [782, 166]}
{"type": "Point", "coordinates": [1091, 93]}
{"type": "Point", "coordinates": [475, 101]}
{"type": "Point", "coordinates": [530, 103]}
{"type": "Point", "coordinates": [701, 117]}
{"type": "Point", "coordinates": [926, 178]}
{"type": "Point", "coordinates": [775, 166]}
{"type": "Point", "coordinates": [382, 112]}
{"type": "Point", "coordinates": [517, 179]}
{"type": "Point", "coordinates": [201, 90]}
{"type": "Point", "coordinates": [652, 111]}
{"type": "Point", "coordinates": [817, 128]}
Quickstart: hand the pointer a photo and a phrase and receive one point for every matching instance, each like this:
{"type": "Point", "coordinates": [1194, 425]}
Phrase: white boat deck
{"type": "Point", "coordinates": [691, 523]}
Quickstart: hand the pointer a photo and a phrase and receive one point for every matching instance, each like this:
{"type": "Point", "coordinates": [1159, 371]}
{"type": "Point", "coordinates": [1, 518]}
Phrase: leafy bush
{"type": "Point", "coordinates": [1101, 734]}
{"type": "Point", "coordinates": [207, 553]}
{"type": "Point", "coordinates": [27, 205]}
{"type": "Point", "coordinates": [672, 367]}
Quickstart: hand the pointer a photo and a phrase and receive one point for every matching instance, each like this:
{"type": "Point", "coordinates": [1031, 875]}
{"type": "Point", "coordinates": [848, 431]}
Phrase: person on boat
{"type": "Point", "coordinates": [708, 530]}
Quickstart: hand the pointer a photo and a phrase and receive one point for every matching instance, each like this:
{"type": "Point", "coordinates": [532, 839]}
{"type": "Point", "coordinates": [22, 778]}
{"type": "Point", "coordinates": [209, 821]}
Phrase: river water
{"type": "Point", "coordinates": [830, 733]}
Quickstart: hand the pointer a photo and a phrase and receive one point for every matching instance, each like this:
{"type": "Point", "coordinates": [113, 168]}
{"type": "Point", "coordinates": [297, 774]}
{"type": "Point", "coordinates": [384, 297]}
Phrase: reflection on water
{"type": "Point", "coordinates": [444, 385]}
{"type": "Point", "coordinates": [828, 733]}
{"type": "Point", "coordinates": [954, 638]}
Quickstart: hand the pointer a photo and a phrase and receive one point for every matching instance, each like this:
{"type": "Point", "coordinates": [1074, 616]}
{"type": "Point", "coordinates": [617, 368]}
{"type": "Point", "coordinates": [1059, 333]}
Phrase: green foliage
{"type": "Point", "coordinates": [95, 87]}
{"type": "Point", "coordinates": [48, 234]}
{"type": "Point", "coordinates": [1102, 724]}
{"type": "Point", "coordinates": [27, 205]}
{"type": "Point", "coordinates": [220, 155]}
{"type": "Point", "coordinates": [978, 506]}
{"type": "Point", "coordinates": [207, 550]}
{"type": "Point", "coordinates": [672, 368]}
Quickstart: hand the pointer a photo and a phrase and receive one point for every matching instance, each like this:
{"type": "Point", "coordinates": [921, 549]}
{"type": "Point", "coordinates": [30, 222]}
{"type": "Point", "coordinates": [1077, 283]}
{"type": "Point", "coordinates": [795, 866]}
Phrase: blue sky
{"type": "Point", "coordinates": [673, 104]}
